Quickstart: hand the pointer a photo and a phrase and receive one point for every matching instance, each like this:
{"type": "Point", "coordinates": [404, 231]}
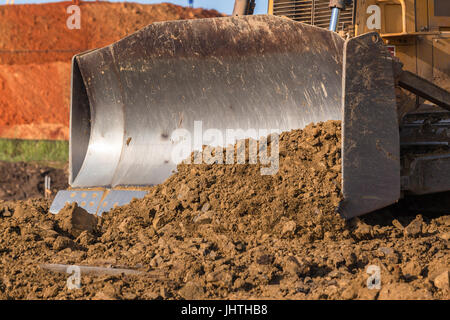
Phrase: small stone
{"type": "Point", "coordinates": [412, 268]}
{"type": "Point", "coordinates": [47, 225]}
{"type": "Point", "coordinates": [265, 259]}
{"type": "Point", "coordinates": [239, 283]}
{"type": "Point", "coordinates": [346, 234]}
{"type": "Point", "coordinates": [157, 222]}
{"type": "Point", "coordinates": [49, 234]}
{"type": "Point", "coordinates": [328, 235]}
{"type": "Point", "coordinates": [85, 238]}
{"type": "Point", "coordinates": [62, 243]}
{"type": "Point", "coordinates": [156, 261]}
{"type": "Point", "coordinates": [445, 235]}
{"type": "Point", "coordinates": [174, 204]}
{"type": "Point", "coordinates": [75, 220]}
{"type": "Point", "coordinates": [367, 294]}
{"type": "Point", "coordinates": [349, 293]}
{"type": "Point", "coordinates": [111, 291]}
{"type": "Point", "coordinates": [21, 212]}
{"type": "Point", "coordinates": [292, 266]}
{"type": "Point", "coordinates": [393, 257]}
{"type": "Point", "coordinates": [204, 217]}
{"type": "Point", "coordinates": [386, 251]}
{"type": "Point", "coordinates": [363, 230]}
{"type": "Point", "coordinates": [103, 296]}
{"type": "Point", "coordinates": [307, 280]}
{"type": "Point", "coordinates": [183, 193]}
{"type": "Point", "coordinates": [350, 258]}
{"type": "Point", "coordinates": [403, 291]}
{"type": "Point", "coordinates": [221, 276]}
{"type": "Point", "coordinates": [49, 241]}
{"type": "Point", "coordinates": [240, 247]}
{"type": "Point", "coordinates": [124, 226]}
{"type": "Point", "coordinates": [206, 207]}
{"type": "Point", "coordinates": [191, 291]}
{"type": "Point", "coordinates": [164, 293]}
{"type": "Point", "coordinates": [415, 227]}
{"type": "Point", "coordinates": [301, 288]}
{"type": "Point", "coordinates": [289, 227]}
{"type": "Point", "coordinates": [442, 281]}
{"type": "Point", "coordinates": [397, 224]}
{"type": "Point", "coordinates": [129, 296]}
{"type": "Point", "coordinates": [337, 260]}
{"type": "Point", "coordinates": [212, 277]}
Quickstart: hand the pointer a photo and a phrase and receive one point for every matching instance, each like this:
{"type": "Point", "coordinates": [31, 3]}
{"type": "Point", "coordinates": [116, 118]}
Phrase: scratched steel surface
{"type": "Point", "coordinates": [260, 72]}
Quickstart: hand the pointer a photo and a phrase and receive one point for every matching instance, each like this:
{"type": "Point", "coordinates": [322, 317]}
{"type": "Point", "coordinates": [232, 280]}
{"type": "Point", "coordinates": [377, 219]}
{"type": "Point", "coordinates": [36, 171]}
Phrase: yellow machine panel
{"type": "Point", "coordinates": [416, 31]}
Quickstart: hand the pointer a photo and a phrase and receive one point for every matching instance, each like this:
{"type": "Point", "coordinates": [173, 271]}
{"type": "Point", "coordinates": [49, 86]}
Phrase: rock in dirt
{"type": "Point", "coordinates": [412, 269]}
{"type": "Point", "coordinates": [192, 291]}
{"type": "Point", "coordinates": [445, 235]}
{"type": "Point", "coordinates": [415, 227]}
{"type": "Point", "coordinates": [289, 228]}
{"type": "Point", "coordinates": [398, 225]}
{"type": "Point", "coordinates": [204, 217]}
{"type": "Point", "coordinates": [293, 267]}
{"type": "Point", "coordinates": [386, 251]}
{"type": "Point", "coordinates": [403, 291]}
{"type": "Point", "coordinates": [363, 230]}
{"type": "Point", "coordinates": [62, 243]}
{"type": "Point", "coordinates": [442, 281]}
{"type": "Point", "coordinates": [74, 220]}
{"type": "Point", "coordinates": [22, 212]}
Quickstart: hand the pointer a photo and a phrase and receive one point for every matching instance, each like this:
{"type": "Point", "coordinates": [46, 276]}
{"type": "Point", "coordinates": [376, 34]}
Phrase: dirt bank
{"type": "Point", "coordinates": [226, 231]}
{"type": "Point", "coordinates": [35, 95]}
{"type": "Point", "coordinates": [37, 33]}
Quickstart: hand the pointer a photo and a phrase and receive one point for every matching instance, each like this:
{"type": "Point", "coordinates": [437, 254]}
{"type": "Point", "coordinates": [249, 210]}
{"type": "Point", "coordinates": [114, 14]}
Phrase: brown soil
{"type": "Point", "coordinates": [35, 52]}
{"type": "Point", "coordinates": [21, 180]}
{"type": "Point", "coordinates": [34, 94]}
{"type": "Point", "coordinates": [226, 231]}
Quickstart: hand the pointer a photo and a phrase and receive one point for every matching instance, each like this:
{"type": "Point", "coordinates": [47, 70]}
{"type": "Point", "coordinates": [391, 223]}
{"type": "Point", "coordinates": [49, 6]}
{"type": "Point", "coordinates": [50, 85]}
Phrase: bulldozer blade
{"type": "Point", "coordinates": [240, 73]}
{"type": "Point", "coordinates": [252, 72]}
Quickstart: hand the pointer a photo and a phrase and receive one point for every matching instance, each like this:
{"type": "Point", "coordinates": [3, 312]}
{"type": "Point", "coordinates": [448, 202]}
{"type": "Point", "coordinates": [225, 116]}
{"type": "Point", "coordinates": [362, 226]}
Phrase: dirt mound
{"type": "Point", "coordinates": [225, 231]}
{"type": "Point", "coordinates": [22, 180]}
{"type": "Point", "coordinates": [305, 188]}
{"type": "Point", "coordinates": [35, 52]}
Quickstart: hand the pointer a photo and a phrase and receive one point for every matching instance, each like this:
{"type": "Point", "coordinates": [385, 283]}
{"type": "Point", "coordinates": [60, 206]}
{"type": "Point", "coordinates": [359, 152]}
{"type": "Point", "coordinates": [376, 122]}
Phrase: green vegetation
{"type": "Point", "coordinates": [15, 150]}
